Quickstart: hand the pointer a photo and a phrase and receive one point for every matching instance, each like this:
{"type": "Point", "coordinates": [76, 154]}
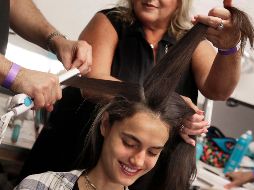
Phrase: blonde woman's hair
{"type": "Point", "coordinates": [179, 23]}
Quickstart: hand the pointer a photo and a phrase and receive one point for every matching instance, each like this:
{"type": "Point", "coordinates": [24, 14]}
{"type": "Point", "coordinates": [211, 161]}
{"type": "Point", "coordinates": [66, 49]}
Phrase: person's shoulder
{"type": "Point", "coordinates": [32, 181]}
{"type": "Point", "coordinates": [118, 17]}
{"type": "Point", "coordinates": [50, 180]}
{"type": "Point", "coordinates": [114, 11]}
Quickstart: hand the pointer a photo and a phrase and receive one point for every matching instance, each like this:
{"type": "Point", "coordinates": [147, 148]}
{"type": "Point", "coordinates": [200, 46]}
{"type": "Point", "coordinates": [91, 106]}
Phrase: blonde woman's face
{"type": "Point", "coordinates": [132, 147]}
{"type": "Point", "coordinates": [154, 11]}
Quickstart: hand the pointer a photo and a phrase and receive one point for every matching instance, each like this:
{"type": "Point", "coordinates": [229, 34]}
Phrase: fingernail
{"type": "Point", "coordinates": [200, 112]}
{"type": "Point", "coordinates": [205, 131]}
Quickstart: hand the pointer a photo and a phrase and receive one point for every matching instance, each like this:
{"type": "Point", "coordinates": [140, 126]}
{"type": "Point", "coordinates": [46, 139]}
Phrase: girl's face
{"type": "Point", "coordinates": [132, 147]}
{"type": "Point", "coordinates": [154, 11]}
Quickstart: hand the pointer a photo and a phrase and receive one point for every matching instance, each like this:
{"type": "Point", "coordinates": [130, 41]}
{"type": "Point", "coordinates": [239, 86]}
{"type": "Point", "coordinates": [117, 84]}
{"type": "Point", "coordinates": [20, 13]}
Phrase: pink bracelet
{"type": "Point", "coordinates": [230, 50]}
{"type": "Point", "coordinates": [11, 75]}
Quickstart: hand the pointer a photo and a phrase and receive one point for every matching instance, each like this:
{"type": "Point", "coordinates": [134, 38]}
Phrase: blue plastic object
{"type": "Point", "coordinates": [199, 150]}
{"type": "Point", "coordinates": [239, 151]}
{"type": "Point", "coordinates": [222, 143]}
{"type": "Point", "coordinates": [28, 101]}
{"type": "Point", "coordinates": [16, 130]}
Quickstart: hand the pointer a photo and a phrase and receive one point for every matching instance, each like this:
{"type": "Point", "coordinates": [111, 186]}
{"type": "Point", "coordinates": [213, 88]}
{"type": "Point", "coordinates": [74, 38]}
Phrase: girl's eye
{"type": "Point", "coordinates": [152, 154]}
{"type": "Point", "coordinates": [128, 144]}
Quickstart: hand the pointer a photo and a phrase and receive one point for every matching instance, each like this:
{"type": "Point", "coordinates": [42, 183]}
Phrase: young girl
{"type": "Point", "coordinates": [125, 142]}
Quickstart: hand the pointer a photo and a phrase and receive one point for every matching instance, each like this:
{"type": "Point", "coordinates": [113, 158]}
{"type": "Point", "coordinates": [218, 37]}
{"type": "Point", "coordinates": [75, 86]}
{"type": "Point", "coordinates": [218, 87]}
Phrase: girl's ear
{"type": "Point", "coordinates": [105, 127]}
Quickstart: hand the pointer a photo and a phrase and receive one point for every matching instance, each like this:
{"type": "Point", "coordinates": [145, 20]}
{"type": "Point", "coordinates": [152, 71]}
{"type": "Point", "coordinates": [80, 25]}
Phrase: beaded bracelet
{"type": "Point", "coordinates": [230, 51]}
{"type": "Point", "coordinates": [51, 37]}
{"type": "Point", "coordinates": [11, 75]}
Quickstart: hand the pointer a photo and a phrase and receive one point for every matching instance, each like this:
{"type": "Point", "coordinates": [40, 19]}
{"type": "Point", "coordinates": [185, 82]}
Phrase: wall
{"type": "Point", "coordinates": [70, 17]}
{"type": "Point", "coordinates": [233, 121]}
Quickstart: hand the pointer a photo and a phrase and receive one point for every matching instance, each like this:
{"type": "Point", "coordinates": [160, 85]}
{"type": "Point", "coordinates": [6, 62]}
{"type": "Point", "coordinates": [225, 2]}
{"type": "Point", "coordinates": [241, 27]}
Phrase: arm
{"type": "Point", "coordinates": [217, 75]}
{"type": "Point", "coordinates": [104, 43]}
{"type": "Point", "coordinates": [239, 178]}
{"type": "Point", "coordinates": [102, 36]}
{"type": "Point", "coordinates": [37, 85]}
{"type": "Point", "coordinates": [29, 23]}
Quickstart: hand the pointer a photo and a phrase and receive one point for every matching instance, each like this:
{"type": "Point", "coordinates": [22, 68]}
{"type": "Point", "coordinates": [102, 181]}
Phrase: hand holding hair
{"type": "Point", "coordinates": [73, 54]}
{"type": "Point", "coordinates": [221, 32]}
{"type": "Point", "coordinates": [227, 27]}
{"type": "Point", "coordinates": [194, 124]}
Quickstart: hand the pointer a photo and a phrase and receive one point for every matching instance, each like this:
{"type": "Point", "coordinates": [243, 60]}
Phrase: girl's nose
{"type": "Point", "coordinates": [138, 159]}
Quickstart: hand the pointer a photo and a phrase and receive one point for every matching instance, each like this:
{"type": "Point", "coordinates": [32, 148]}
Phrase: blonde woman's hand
{"type": "Point", "coordinates": [193, 125]}
{"type": "Point", "coordinates": [221, 31]}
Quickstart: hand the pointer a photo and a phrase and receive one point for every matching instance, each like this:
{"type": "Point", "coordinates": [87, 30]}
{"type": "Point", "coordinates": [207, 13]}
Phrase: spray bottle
{"type": "Point", "coordinates": [238, 153]}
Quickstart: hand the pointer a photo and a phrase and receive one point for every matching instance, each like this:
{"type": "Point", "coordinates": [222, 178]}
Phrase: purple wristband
{"type": "Point", "coordinates": [230, 50]}
{"type": "Point", "coordinates": [227, 51]}
{"type": "Point", "coordinates": [11, 75]}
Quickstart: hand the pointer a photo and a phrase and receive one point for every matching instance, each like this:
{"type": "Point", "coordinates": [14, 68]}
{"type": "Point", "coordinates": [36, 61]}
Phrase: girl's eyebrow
{"type": "Point", "coordinates": [138, 141]}
{"type": "Point", "coordinates": [131, 137]}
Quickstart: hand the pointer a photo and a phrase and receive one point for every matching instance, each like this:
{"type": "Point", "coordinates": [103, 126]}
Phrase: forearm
{"type": "Point", "coordinates": [29, 23]}
{"type": "Point", "coordinates": [223, 76]}
{"type": "Point", "coordinates": [5, 66]}
{"type": "Point", "coordinates": [103, 76]}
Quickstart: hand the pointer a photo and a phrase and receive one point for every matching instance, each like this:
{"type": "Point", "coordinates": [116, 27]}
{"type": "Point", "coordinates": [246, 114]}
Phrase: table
{"type": "Point", "coordinates": [211, 178]}
{"type": "Point", "coordinates": [16, 151]}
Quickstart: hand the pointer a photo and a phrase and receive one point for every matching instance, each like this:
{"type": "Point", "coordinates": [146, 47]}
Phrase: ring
{"type": "Point", "coordinates": [181, 128]}
{"type": "Point", "coordinates": [220, 26]}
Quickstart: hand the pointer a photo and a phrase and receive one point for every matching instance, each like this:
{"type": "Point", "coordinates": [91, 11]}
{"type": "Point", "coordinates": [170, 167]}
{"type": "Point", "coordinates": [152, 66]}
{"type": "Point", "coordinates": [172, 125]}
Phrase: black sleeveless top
{"type": "Point", "coordinates": [4, 24]}
{"type": "Point", "coordinates": [133, 57]}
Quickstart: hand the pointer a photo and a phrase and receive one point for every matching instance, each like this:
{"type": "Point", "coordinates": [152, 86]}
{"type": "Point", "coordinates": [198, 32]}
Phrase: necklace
{"type": "Point", "coordinates": [154, 46]}
{"type": "Point", "coordinates": [90, 185]}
